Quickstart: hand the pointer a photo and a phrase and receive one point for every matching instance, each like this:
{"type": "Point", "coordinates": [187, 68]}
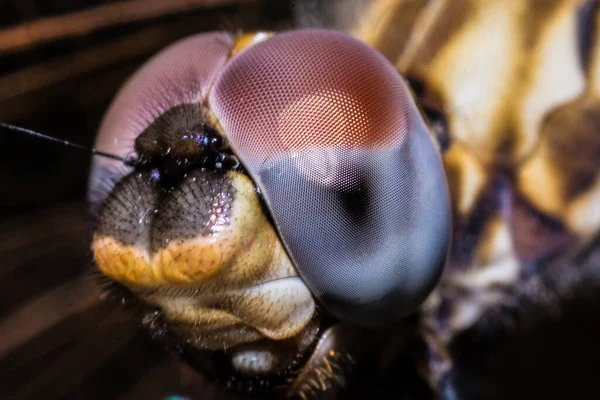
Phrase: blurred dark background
{"type": "Point", "coordinates": [61, 62]}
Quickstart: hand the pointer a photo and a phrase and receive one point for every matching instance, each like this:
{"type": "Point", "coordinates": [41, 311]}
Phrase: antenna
{"type": "Point", "coordinates": [126, 160]}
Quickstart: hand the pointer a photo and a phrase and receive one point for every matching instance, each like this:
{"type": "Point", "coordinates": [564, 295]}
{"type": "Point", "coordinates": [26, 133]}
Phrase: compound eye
{"type": "Point", "coordinates": [159, 99]}
{"type": "Point", "coordinates": [329, 132]}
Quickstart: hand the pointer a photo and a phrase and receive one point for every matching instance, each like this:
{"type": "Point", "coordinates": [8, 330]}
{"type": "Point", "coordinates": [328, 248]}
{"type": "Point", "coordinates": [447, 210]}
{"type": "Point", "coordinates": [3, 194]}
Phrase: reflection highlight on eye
{"type": "Point", "coordinates": [338, 210]}
{"type": "Point", "coordinates": [363, 270]}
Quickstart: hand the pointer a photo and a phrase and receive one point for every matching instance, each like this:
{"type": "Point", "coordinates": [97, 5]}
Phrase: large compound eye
{"type": "Point", "coordinates": [328, 130]}
{"type": "Point", "coordinates": [158, 101]}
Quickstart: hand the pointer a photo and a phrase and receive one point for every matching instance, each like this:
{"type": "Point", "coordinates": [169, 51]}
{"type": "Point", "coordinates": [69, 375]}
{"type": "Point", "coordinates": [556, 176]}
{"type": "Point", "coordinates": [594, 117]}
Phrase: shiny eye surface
{"type": "Point", "coordinates": [328, 130]}
{"type": "Point", "coordinates": [277, 176]}
{"type": "Point", "coordinates": [160, 101]}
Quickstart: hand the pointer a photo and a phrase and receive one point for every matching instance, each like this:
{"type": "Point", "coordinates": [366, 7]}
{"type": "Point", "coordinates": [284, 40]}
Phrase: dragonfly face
{"type": "Point", "coordinates": [355, 212]}
{"type": "Point", "coordinates": [504, 113]}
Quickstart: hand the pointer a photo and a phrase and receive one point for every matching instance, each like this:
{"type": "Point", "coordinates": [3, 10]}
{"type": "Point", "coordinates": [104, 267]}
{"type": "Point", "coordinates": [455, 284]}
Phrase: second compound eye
{"type": "Point", "coordinates": [328, 130]}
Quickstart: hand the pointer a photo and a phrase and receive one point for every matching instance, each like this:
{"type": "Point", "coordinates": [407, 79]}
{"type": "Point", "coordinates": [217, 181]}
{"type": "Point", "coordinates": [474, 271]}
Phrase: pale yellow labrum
{"type": "Point", "coordinates": [233, 286]}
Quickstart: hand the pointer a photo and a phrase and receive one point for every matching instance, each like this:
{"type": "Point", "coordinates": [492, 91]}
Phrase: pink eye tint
{"type": "Point", "coordinates": [329, 134]}
{"type": "Point", "coordinates": [328, 130]}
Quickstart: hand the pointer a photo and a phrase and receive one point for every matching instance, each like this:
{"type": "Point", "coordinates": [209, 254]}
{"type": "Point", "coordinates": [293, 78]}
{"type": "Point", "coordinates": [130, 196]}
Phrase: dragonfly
{"type": "Point", "coordinates": [511, 101]}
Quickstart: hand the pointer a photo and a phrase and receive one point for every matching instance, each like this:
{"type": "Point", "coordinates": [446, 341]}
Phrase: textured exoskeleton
{"type": "Point", "coordinates": [276, 194]}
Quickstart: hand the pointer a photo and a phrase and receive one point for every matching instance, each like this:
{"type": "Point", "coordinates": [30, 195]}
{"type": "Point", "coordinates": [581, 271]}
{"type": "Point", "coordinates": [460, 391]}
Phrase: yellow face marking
{"type": "Point", "coordinates": [246, 40]}
{"type": "Point", "coordinates": [273, 310]}
{"type": "Point", "coordinates": [194, 260]}
{"type": "Point", "coordinates": [123, 263]}
{"type": "Point", "coordinates": [233, 287]}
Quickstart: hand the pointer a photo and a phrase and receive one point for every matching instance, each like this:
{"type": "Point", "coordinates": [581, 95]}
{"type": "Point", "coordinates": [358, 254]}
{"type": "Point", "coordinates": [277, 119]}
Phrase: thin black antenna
{"type": "Point", "coordinates": [125, 160]}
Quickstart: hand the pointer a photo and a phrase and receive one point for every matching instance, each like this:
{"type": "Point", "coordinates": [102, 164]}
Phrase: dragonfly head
{"type": "Point", "coordinates": [278, 175]}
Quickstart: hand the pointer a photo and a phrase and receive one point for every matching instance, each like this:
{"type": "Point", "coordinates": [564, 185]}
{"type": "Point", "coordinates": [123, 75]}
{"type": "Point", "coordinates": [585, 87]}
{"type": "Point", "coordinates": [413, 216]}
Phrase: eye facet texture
{"type": "Point", "coordinates": [180, 74]}
{"type": "Point", "coordinates": [328, 130]}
